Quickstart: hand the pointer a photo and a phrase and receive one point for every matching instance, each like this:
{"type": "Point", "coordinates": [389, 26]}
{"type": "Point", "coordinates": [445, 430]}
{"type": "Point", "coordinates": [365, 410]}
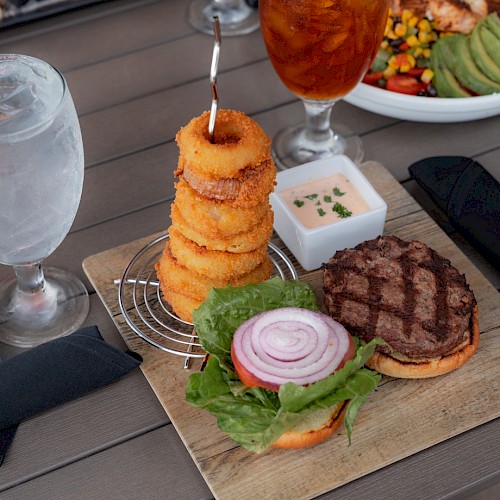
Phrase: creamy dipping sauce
{"type": "Point", "coordinates": [323, 201]}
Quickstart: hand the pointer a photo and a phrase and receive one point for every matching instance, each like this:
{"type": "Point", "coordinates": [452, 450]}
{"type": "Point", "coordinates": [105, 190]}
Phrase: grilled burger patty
{"type": "Point", "coordinates": [403, 292]}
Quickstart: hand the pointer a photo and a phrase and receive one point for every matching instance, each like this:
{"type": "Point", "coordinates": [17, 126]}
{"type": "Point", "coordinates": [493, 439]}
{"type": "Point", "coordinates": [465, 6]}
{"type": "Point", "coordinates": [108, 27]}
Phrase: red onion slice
{"type": "Point", "coordinates": [291, 345]}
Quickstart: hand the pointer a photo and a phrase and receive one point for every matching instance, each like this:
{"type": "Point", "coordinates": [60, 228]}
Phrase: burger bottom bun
{"type": "Point", "coordinates": [428, 367]}
{"type": "Point", "coordinates": [304, 437]}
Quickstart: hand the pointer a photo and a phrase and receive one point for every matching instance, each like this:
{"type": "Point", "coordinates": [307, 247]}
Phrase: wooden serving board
{"type": "Point", "coordinates": [389, 426]}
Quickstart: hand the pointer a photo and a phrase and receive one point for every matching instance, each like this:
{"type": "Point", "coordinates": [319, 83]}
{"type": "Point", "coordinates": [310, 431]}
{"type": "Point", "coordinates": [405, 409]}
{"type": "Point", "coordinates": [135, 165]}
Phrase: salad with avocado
{"type": "Point", "coordinates": [416, 59]}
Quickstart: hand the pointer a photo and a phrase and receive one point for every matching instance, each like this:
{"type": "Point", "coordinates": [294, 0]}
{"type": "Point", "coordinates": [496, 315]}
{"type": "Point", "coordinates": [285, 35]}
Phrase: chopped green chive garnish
{"type": "Point", "coordinates": [321, 212]}
{"type": "Point", "coordinates": [341, 210]}
{"type": "Point", "coordinates": [327, 198]}
{"type": "Point", "coordinates": [311, 196]}
{"type": "Point", "coordinates": [338, 192]}
{"type": "Point", "coordinates": [298, 203]}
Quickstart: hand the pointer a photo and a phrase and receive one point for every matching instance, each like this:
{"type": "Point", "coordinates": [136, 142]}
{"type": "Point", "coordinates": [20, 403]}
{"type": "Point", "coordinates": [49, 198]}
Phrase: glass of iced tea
{"type": "Point", "coordinates": [320, 49]}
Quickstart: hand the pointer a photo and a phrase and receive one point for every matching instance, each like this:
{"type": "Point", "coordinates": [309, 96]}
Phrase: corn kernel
{"type": "Point", "coordinates": [400, 30]}
{"type": "Point", "coordinates": [427, 75]}
{"type": "Point", "coordinates": [413, 21]}
{"type": "Point", "coordinates": [388, 26]}
{"type": "Point", "coordinates": [384, 45]}
{"type": "Point", "coordinates": [388, 72]}
{"type": "Point", "coordinates": [424, 37]}
{"type": "Point", "coordinates": [402, 62]}
{"type": "Point", "coordinates": [426, 53]}
{"type": "Point", "coordinates": [391, 35]}
{"type": "Point", "coordinates": [418, 52]}
{"type": "Point", "coordinates": [412, 41]}
{"type": "Point", "coordinates": [424, 25]}
{"type": "Point", "coordinates": [406, 15]}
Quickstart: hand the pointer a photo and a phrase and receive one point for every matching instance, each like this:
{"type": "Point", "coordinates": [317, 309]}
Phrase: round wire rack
{"type": "Point", "coordinates": [150, 316]}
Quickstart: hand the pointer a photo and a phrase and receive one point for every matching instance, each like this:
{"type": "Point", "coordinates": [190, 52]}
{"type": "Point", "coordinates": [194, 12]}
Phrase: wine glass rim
{"type": "Point", "coordinates": [49, 117]}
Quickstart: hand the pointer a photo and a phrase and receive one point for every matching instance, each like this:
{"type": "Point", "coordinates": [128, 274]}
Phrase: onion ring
{"type": "Point", "coordinates": [251, 187]}
{"type": "Point", "coordinates": [216, 219]}
{"type": "Point", "coordinates": [182, 305]}
{"type": "Point", "coordinates": [179, 279]}
{"type": "Point", "coordinates": [213, 263]}
{"type": "Point", "coordinates": [238, 243]}
{"type": "Point", "coordinates": [289, 345]}
{"type": "Point", "coordinates": [239, 142]}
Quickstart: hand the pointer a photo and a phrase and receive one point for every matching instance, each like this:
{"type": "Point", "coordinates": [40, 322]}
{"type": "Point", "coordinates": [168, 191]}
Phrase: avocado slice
{"type": "Point", "coordinates": [491, 43]}
{"type": "Point", "coordinates": [493, 23]}
{"type": "Point", "coordinates": [481, 57]}
{"type": "Point", "coordinates": [456, 54]}
{"type": "Point", "coordinates": [445, 83]}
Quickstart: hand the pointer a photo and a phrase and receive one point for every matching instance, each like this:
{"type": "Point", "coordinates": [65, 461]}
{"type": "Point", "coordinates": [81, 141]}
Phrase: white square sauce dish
{"type": "Point", "coordinates": [325, 206]}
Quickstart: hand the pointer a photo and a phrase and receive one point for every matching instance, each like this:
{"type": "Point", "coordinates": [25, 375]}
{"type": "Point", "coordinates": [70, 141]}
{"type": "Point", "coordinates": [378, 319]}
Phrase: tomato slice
{"type": "Point", "coordinates": [403, 84]}
{"type": "Point", "coordinates": [415, 72]}
{"type": "Point", "coordinates": [372, 77]}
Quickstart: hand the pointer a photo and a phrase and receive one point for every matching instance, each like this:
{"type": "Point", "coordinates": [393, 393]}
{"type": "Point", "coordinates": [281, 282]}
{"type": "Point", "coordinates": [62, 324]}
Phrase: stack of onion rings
{"type": "Point", "coordinates": [195, 285]}
{"type": "Point", "coordinates": [216, 219]}
{"type": "Point", "coordinates": [256, 236]}
{"type": "Point", "coordinates": [221, 217]}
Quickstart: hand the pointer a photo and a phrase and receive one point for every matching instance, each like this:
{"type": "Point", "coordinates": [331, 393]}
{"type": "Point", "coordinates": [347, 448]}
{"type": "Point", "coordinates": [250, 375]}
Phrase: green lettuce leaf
{"type": "Point", "coordinates": [254, 417]}
{"type": "Point", "coordinates": [225, 309]}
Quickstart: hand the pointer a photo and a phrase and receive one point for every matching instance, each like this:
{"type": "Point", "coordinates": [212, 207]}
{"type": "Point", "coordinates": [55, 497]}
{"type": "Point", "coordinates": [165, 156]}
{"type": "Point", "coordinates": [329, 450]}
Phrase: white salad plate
{"type": "Point", "coordinates": [423, 109]}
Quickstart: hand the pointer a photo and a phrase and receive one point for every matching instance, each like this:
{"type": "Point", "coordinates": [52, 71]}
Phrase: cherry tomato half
{"type": "Point", "coordinates": [372, 77]}
{"type": "Point", "coordinates": [416, 72]}
{"type": "Point", "coordinates": [403, 84]}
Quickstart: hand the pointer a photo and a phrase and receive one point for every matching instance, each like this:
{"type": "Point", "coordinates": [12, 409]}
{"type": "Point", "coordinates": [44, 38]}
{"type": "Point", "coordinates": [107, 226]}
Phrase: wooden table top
{"type": "Point", "coordinates": [137, 72]}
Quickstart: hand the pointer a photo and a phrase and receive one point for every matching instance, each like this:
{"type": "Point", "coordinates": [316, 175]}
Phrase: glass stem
{"type": "Point", "coordinates": [33, 296]}
{"type": "Point", "coordinates": [318, 129]}
{"type": "Point", "coordinates": [225, 5]}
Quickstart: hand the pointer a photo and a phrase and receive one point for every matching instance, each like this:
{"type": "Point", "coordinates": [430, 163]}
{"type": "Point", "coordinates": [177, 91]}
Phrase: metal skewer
{"type": "Point", "coordinates": [213, 78]}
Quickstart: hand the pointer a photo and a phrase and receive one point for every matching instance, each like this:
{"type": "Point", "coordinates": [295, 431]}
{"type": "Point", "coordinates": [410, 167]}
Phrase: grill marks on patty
{"type": "Point", "coordinates": [401, 291]}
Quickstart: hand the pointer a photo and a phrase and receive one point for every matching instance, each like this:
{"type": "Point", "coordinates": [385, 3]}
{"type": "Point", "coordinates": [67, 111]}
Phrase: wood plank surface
{"type": "Point", "coordinates": [388, 428]}
{"type": "Point", "coordinates": [130, 65]}
{"type": "Point", "coordinates": [158, 456]}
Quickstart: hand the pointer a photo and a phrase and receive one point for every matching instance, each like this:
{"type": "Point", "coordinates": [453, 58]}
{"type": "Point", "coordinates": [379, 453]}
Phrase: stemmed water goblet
{"type": "Point", "coordinates": [320, 50]}
{"type": "Point", "coordinates": [236, 17]}
{"type": "Point", "coordinates": [41, 179]}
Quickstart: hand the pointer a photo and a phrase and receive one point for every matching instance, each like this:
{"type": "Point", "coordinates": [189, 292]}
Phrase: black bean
{"type": "Point", "coordinates": [431, 91]}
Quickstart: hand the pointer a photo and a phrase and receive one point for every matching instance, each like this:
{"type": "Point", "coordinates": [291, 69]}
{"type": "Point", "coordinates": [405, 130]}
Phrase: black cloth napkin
{"type": "Point", "coordinates": [56, 372]}
{"type": "Point", "coordinates": [468, 195]}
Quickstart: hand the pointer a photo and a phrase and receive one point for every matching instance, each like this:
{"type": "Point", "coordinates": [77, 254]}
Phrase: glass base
{"type": "Point", "coordinates": [290, 148]}
{"type": "Point", "coordinates": [69, 311]}
{"type": "Point", "coordinates": [237, 19]}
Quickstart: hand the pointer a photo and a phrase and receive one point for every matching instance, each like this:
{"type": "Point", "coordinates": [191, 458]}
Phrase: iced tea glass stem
{"type": "Point", "coordinates": [315, 140]}
{"type": "Point", "coordinates": [318, 114]}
